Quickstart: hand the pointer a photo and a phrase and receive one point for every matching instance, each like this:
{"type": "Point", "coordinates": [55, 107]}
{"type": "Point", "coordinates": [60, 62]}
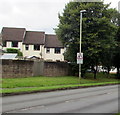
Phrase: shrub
{"type": "Point", "coordinates": [12, 50]}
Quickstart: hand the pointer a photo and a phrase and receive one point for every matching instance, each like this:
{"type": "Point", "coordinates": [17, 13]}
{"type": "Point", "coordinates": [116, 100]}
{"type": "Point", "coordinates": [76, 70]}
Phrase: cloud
{"type": "Point", "coordinates": [31, 14]}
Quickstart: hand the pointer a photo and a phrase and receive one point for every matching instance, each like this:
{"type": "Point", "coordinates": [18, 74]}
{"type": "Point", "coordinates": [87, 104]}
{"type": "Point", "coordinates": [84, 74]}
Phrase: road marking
{"type": "Point", "coordinates": [66, 101]}
{"type": "Point", "coordinates": [27, 108]}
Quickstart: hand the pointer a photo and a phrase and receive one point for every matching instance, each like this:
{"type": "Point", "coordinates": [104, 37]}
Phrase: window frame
{"type": "Point", "coordinates": [36, 47]}
{"type": "Point", "coordinates": [47, 50]}
{"type": "Point", "coordinates": [57, 50]}
{"type": "Point", "coordinates": [27, 47]}
{"type": "Point", "coordinates": [5, 44]}
{"type": "Point", "coordinates": [14, 43]}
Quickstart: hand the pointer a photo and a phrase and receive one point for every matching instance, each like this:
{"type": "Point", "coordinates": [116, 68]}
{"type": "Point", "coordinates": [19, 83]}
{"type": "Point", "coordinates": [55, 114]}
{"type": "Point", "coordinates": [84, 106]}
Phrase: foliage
{"type": "Point", "coordinates": [116, 58]}
{"type": "Point", "coordinates": [99, 30]}
{"type": "Point", "coordinates": [12, 50]}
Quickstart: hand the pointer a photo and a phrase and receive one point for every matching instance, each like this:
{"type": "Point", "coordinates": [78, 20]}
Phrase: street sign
{"type": "Point", "coordinates": [79, 58]}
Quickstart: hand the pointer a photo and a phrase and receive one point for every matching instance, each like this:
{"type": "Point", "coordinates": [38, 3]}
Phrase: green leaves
{"type": "Point", "coordinates": [98, 31]}
{"type": "Point", "coordinates": [12, 50]}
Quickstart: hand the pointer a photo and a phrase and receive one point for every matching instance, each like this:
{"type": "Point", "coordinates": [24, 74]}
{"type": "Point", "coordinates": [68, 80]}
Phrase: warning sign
{"type": "Point", "coordinates": [79, 58]}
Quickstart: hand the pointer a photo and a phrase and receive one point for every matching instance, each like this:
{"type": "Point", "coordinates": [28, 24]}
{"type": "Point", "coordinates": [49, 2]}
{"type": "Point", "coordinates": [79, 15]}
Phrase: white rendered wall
{"type": "Point", "coordinates": [9, 45]}
{"type": "Point", "coordinates": [19, 46]}
{"type": "Point", "coordinates": [53, 56]}
{"type": "Point", "coordinates": [32, 52]}
{"type": "Point", "coordinates": [40, 53]}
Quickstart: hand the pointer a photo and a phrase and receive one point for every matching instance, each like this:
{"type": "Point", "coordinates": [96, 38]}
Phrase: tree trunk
{"type": "Point", "coordinates": [118, 72]}
{"type": "Point", "coordinates": [108, 70]}
{"type": "Point", "coordinates": [95, 72]}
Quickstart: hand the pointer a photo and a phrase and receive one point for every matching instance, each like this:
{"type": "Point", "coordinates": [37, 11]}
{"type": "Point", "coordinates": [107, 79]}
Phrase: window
{"type": "Point", "coordinates": [47, 50]}
{"type": "Point", "coordinates": [26, 47]}
{"type": "Point", "coordinates": [36, 47]}
{"type": "Point", "coordinates": [57, 50]}
{"type": "Point", "coordinates": [14, 44]}
{"type": "Point", "coordinates": [4, 44]}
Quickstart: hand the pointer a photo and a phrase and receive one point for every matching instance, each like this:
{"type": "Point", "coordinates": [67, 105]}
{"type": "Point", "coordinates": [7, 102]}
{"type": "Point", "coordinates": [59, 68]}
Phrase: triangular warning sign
{"type": "Point", "coordinates": [80, 56]}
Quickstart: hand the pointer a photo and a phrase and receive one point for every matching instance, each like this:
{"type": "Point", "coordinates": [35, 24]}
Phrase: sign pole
{"type": "Point", "coordinates": [80, 42]}
{"type": "Point", "coordinates": [80, 39]}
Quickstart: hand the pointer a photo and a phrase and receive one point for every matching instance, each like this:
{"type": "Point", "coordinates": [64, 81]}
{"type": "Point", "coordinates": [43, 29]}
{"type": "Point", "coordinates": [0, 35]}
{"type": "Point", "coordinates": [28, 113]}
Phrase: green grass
{"type": "Point", "coordinates": [51, 87]}
{"type": "Point", "coordinates": [48, 83]}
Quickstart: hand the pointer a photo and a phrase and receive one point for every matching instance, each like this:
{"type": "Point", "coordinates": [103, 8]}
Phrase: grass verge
{"type": "Point", "coordinates": [33, 84]}
{"type": "Point", "coordinates": [32, 89]}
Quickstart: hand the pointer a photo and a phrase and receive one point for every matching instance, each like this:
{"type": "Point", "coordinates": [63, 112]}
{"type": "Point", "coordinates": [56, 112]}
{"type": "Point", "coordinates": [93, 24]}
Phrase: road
{"type": "Point", "coordinates": [86, 100]}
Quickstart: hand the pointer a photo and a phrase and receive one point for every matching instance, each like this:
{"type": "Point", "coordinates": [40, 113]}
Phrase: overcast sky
{"type": "Point", "coordinates": [34, 15]}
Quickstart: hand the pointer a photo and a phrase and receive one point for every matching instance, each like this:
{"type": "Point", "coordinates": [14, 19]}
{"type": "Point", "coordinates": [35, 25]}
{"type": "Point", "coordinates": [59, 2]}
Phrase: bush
{"type": "Point", "coordinates": [12, 50]}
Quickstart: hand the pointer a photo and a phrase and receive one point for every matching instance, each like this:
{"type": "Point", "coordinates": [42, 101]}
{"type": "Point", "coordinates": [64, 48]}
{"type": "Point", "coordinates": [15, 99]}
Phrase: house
{"type": "Point", "coordinates": [53, 48]}
{"type": "Point", "coordinates": [33, 43]}
{"type": "Point", "coordinates": [1, 50]}
{"type": "Point", "coordinates": [13, 37]}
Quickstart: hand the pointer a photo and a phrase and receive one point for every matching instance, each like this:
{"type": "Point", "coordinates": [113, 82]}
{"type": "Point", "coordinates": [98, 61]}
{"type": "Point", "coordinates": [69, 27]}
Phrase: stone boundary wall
{"type": "Point", "coordinates": [17, 68]}
{"type": "Point", "coordinates": [28, 68]}
{"type": "Point", "coordinates": [56, 69]}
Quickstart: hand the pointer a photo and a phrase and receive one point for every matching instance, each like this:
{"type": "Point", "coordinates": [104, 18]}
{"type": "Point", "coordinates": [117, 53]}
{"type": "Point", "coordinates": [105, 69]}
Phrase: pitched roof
{"type": "Point", "coordinates": [33, 37]}
{"type": "Point", "coordinates": [13, 34]}
{"type": "Point", "coordinates": [51, 41]}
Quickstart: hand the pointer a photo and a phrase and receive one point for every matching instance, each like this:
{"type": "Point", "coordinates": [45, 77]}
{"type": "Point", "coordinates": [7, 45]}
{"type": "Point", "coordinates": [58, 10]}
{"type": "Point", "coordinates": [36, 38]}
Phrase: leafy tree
{"type": "Point", "coordinates": [98, 32]}
{"type": "Point", "coordinates": [116, 59]}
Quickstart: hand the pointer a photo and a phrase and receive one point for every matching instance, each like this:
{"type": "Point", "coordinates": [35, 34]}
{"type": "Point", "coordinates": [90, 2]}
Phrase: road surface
{"type": "Point", "coordinates": [86, 100]}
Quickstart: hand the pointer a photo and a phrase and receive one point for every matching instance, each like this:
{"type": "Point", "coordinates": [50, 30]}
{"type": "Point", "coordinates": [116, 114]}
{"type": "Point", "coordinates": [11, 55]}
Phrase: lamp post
{"type": "Point", "coordinates": [80, 39]}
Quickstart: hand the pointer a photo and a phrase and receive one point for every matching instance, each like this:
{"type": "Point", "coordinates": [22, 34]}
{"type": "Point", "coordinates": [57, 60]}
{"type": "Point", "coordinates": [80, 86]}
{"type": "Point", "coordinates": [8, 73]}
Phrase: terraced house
{"type": "Point", "coordinates": [33, 43]}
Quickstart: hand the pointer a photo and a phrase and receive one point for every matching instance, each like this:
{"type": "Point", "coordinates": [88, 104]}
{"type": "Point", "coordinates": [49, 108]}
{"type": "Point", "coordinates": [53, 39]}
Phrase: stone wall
{"type": "Point", "coordinates": [56, 69]}
{"type": "Point", "coordinates": [26, 68]}
{"type": "Point", "coordinates": [17, 68]}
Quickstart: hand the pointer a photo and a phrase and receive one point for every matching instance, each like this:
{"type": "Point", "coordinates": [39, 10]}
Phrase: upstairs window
{"type": "Point", "coordinates": [26, 47]}
{"type": "Point", "coordinates": [14, 44]}
{"type": "Point", "coordinates": [37, 47]}
{"type": "Point", "coordinates": [57, 50]}
{"type": "Point", "coordinates": [4, 44]}
{"type": "Point", "coordinates": [47, 50]}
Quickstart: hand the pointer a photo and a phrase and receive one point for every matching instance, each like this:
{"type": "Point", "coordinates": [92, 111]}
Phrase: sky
{"type": "Point", "coordinates": [34, 15]}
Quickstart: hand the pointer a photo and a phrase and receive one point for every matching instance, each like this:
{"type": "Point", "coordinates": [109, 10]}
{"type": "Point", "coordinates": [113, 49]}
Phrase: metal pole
{"type": "Point", "coordinates": [80, 42]}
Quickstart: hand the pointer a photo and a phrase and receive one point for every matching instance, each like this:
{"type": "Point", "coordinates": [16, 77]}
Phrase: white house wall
{"type": "Point", "coordinates": [40, 53]}
{"type": "Point", "coordinates": [32, 52]}
{"type": "Point", "coordinates": [9, 45]}
{"type": "Point", "coordinates": [20, 46]}
{"type": "Point", "coordinates": [53, 56]}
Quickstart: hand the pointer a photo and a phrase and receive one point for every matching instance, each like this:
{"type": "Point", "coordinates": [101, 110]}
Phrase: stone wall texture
{"type": "Point", "coordinates": [28, 68]}
{"type": "Point", "coordinates": [17, 68]}
{"type": "Point", "coordinates": [56, 69]}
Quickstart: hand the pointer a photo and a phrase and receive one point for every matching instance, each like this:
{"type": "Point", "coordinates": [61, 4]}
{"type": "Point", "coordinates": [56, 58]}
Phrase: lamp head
{"type": "Point", "coordinates": [82, 11]}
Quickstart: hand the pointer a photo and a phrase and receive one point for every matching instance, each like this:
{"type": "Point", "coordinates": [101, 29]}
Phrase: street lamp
{"type": "Point", "coordinates": [80, 39]}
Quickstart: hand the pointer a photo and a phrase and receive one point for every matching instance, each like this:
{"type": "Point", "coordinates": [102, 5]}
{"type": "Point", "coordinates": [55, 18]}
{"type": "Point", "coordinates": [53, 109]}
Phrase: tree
{"type": "Point", "coordinates": [98, 32]}
{"type": "Point", "coordinates": [116, 59]}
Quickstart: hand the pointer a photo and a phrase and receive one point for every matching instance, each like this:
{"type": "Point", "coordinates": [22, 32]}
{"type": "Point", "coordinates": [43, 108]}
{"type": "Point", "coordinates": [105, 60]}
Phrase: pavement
{"type": "Point", "coordinates": [103, 99]}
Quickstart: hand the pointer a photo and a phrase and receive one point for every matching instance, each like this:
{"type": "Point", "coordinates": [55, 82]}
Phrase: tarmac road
{"type": "Point", "coordinates": [102, 99]}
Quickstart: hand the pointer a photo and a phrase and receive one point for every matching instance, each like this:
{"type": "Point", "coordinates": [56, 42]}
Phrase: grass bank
{"type": "Point", "coordinates": [41, 83]}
